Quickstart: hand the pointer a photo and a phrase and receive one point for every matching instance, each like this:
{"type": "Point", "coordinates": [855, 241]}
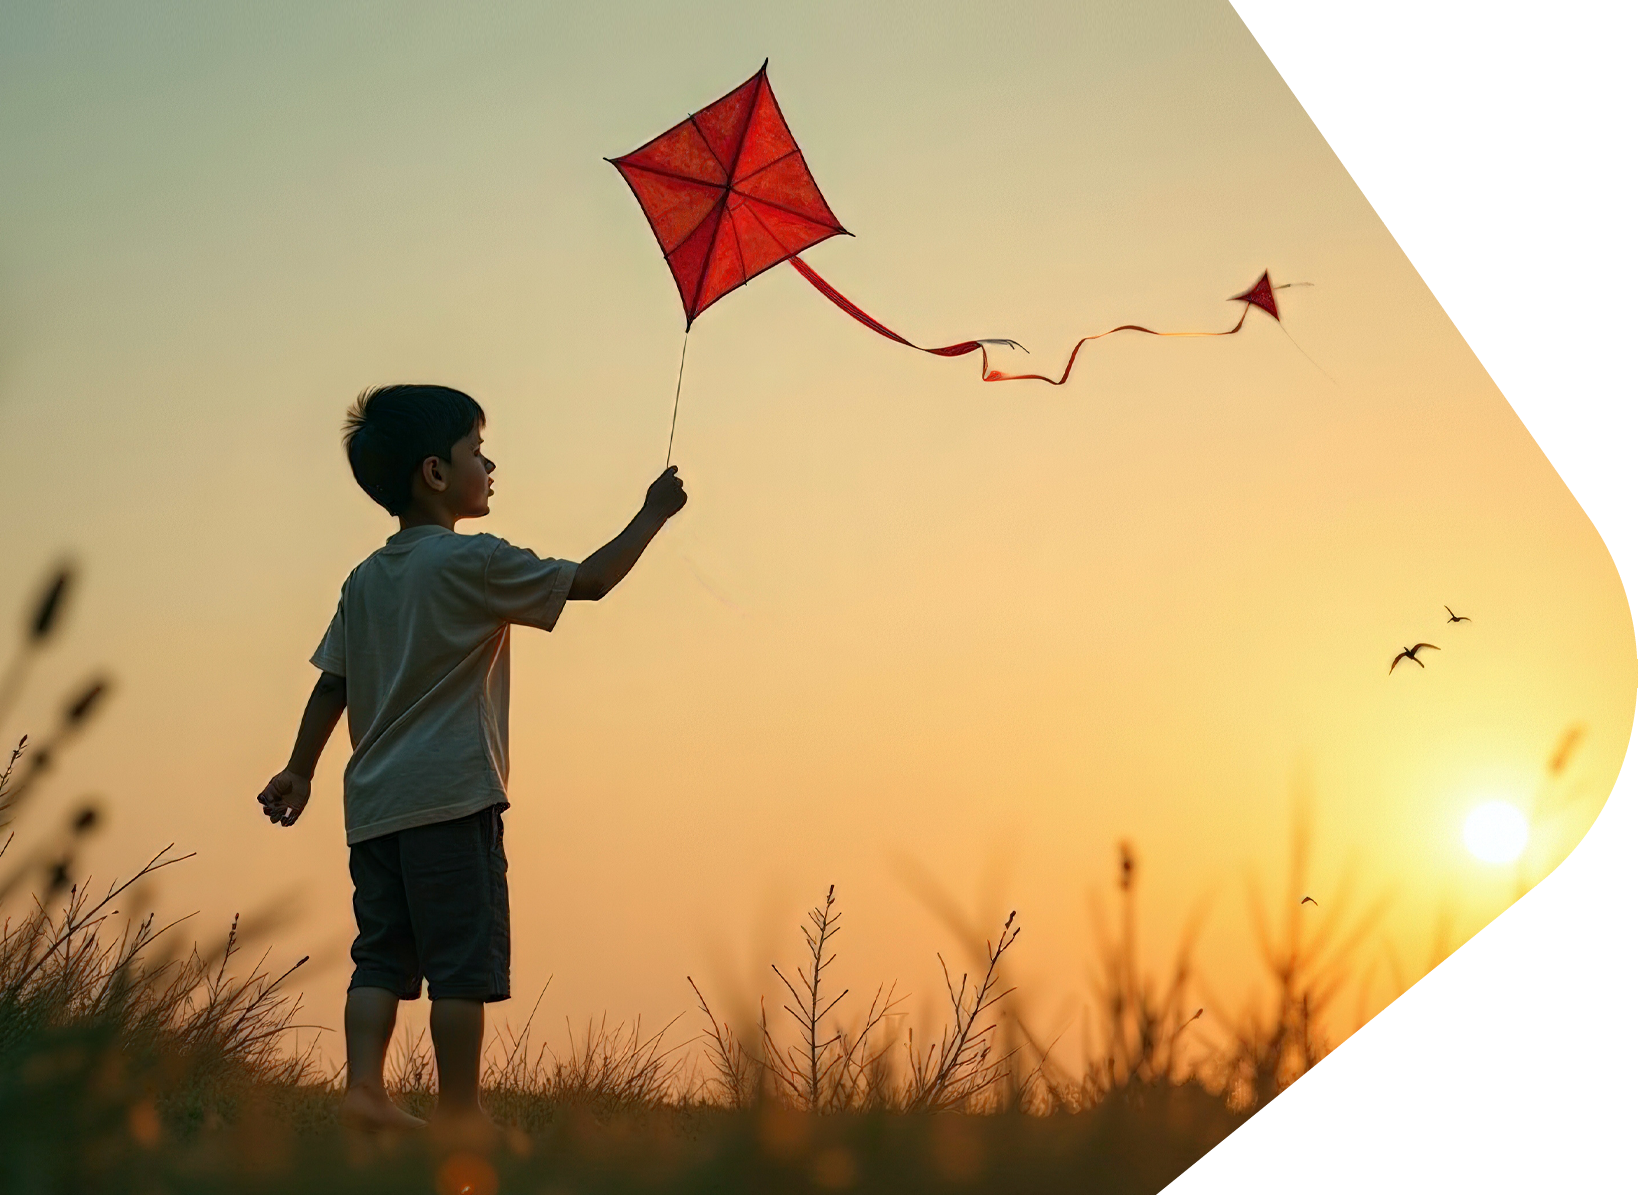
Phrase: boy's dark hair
{"type": "Point", "coordinates": [390, 430]}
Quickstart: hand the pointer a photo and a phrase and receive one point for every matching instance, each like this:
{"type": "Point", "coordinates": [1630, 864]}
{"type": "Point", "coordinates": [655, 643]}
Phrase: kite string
{"type": "Point", "coordinates": [676, 396]}
{"type": "Point", "coordinates": [1304, 351]}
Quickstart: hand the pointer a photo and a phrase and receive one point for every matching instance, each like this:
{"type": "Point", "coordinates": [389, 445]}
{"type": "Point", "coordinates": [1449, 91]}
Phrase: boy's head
{"type": "Point", "coordinates": [410, 442]}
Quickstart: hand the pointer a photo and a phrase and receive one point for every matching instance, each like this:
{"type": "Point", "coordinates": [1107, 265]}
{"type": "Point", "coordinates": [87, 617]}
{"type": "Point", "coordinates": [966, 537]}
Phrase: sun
{"type": "Point", "coordinates": [1496, 832]}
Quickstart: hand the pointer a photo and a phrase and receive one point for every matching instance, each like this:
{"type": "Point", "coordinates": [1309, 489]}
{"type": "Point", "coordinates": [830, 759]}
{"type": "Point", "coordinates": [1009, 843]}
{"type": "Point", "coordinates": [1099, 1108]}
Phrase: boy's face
{"type": "Point", "coordinates": [466, 476]}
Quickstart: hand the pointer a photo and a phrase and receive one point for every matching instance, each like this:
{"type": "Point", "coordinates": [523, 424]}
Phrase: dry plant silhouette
{"type": "Point", "coordinates": [1012, 1083]}
{"type": "Point", "coordinates": [1309, 960]}
{"type": "Point", "coordinates": [839, 1071]}
{"type": "Point", "coordinates": [1557, 795]}
{"type": "Point", "coordinates": [843, 1069]}
{"type": "Point", "coordinates": [1135, 1028]}
{"type": "Point", "coordinates": [960, 1071]}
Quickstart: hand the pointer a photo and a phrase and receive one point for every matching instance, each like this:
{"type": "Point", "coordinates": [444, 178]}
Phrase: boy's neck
{"type": "Point", "coordinates": [426, 516]}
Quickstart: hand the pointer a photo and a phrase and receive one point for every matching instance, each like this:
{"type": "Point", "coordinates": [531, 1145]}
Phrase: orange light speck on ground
{"type": "Point", "coordinates": [466, 1174]}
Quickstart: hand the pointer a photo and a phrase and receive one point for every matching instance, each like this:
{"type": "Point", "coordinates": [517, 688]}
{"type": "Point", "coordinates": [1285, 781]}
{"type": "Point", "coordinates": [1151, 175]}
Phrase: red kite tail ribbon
{"type": "Point", "coordinates": [1260, 295]}
{"type": "Point", "coordinates": [881, 329]}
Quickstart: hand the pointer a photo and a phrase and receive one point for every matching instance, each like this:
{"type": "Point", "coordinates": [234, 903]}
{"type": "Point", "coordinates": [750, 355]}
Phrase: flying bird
{"type": "Point", "coordinates": [1410, 653]}
{"type": "Point", "coordinates": [1309, 900]}
{"type": "Point", "coordinates": [1455, 617]}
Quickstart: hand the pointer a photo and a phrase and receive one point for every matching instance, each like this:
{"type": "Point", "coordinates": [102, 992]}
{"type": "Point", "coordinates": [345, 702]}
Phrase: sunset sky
{"type": "Point", "coordinates": [909, 624]}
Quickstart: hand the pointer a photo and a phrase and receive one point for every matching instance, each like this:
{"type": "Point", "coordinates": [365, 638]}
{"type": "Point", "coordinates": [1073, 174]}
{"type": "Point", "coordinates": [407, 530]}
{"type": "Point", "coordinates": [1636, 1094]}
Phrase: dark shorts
{"type": "Point", "coordinates": [431, 901]}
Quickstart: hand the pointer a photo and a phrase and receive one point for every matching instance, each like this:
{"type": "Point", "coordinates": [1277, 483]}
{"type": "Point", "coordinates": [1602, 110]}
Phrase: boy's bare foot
{"type": "Point", "coordinates": [371, 1111]}
{"type": "Point", "coordinates": [463, 1129]}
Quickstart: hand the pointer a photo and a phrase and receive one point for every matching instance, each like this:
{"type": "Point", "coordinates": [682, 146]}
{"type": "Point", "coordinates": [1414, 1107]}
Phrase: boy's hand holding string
{"type": "Point", "coordinates": [602, 570]}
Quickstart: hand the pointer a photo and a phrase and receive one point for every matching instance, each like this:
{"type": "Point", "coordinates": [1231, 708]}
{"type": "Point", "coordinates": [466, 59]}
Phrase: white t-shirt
{"type": "Point", "coordinates": [422, 634]}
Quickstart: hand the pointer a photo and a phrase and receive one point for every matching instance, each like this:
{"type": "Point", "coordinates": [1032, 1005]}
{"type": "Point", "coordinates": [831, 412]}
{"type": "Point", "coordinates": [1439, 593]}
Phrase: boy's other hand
{"type": "Point", "coordinates": [285, 797]}
{"type": "Point", "coordinates": [665, 497]}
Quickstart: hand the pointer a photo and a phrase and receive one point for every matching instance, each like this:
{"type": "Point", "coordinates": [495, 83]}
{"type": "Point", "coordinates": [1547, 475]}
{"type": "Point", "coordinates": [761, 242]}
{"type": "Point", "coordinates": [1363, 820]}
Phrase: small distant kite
{"type": "Point", "coordinates": [729, 195]}
{"type": "Point", "coordinates": [1410, 653]}
{"type": "Point", "coordinates": [1455, 617]}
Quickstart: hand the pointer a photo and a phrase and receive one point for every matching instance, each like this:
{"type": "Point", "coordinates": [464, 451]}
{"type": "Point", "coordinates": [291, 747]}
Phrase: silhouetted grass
{"type": "Point", "coordinates": [111, 1040]}
{"type": "Point", "coordinates": [130, 1065]}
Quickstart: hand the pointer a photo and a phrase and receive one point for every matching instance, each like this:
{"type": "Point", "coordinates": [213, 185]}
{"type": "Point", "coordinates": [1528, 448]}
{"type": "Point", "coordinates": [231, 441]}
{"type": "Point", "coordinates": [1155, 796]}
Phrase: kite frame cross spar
{"type": "Point", "coordinates": [728, 195]}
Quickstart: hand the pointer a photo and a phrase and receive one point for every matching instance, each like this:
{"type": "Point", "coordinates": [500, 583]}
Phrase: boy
{"type": "Point", "coordinates": [417, 655]}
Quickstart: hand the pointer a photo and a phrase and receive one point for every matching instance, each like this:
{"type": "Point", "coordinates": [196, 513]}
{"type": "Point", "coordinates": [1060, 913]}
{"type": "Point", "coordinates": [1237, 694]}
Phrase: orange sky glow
{"type": "Point", "coordinates": [912, 632]}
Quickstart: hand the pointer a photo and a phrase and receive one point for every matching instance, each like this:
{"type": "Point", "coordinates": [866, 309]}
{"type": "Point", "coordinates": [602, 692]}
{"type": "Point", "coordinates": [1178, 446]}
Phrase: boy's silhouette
{"type": "Point", "coordinates": [417, 655]}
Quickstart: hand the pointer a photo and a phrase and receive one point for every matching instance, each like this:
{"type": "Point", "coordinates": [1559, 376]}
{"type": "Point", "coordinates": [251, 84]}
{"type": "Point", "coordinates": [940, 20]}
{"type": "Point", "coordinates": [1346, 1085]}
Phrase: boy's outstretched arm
{"type": "Point", "coordinates": [602, 570]}
{"type": "Point", "coordinates": [286, 794]}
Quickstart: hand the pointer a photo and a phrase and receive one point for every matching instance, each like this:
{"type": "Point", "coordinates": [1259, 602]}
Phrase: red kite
{"type": "Point", "coordinates": [728, 195]}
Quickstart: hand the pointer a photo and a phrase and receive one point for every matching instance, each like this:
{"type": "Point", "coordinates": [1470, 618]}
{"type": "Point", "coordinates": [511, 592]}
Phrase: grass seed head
{"type": "Point", "coordinates": [83, 706]}
{"type": "Point", "coordinates": [47, 613]}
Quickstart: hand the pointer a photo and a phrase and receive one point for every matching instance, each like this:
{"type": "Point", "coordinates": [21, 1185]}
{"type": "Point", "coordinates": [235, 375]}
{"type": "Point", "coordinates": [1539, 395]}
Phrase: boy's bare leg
{"type": "Point", "coordinates": [368, 1022]}
{"type": "Point", "coordinates": [458, 1040]}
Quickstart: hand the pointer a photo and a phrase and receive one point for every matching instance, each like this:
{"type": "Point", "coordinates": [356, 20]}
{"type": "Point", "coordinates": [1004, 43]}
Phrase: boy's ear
{"type": "Point", "coordinates": [432, 474]}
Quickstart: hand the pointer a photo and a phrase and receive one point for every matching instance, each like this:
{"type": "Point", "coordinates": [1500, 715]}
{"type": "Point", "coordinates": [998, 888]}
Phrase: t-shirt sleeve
{"type": "Point", "coordinates": [521, 587]}
{"type": "Point", "coordinates": [332, 653]}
